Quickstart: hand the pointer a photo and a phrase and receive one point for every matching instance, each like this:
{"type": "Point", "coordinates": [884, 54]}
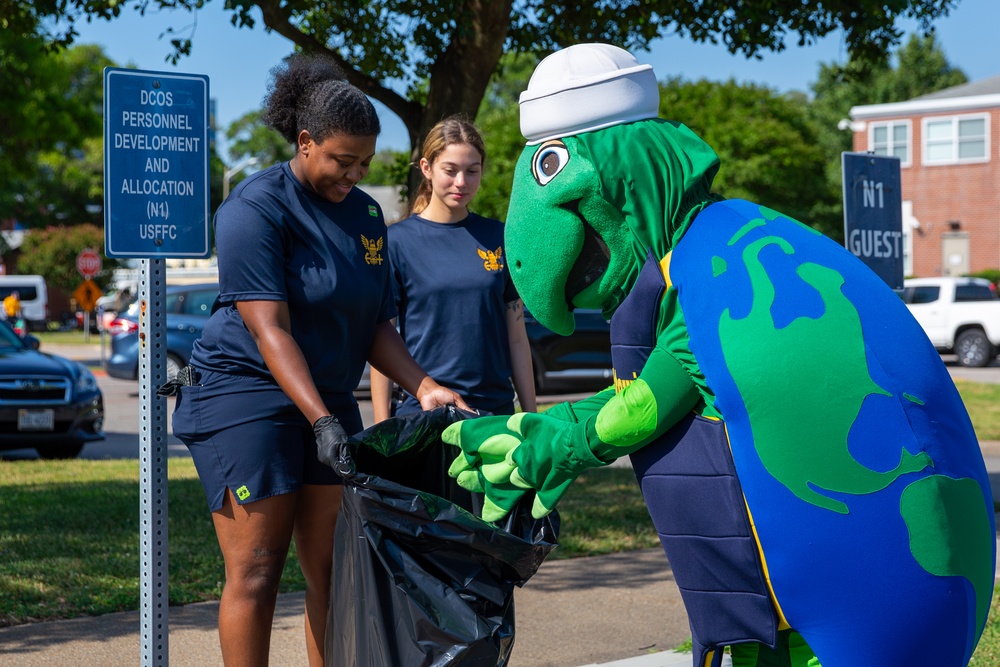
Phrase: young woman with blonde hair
{"type": "Point", "coordinates": [458, 311]}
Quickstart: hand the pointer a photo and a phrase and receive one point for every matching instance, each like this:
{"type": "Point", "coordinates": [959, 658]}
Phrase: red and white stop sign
{"type": "Point", "coordinates": [88, 263]}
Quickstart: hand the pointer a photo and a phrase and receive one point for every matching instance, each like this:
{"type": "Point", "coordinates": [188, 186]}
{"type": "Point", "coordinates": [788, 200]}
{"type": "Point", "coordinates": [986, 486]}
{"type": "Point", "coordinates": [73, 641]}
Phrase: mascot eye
{"type": "Point", "coordinates": [550, 159]}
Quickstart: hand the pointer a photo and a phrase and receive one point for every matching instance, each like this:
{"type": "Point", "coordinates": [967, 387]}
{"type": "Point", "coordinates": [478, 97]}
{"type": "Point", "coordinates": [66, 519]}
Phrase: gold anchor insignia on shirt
{"type": "Point", "coordinates": [373, 247]}
{"type": "Point", "coordinates": [492, 258]}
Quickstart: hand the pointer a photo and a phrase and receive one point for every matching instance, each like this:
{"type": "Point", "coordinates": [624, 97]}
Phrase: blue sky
{"type": "Point", "coordinates": [237, 61]}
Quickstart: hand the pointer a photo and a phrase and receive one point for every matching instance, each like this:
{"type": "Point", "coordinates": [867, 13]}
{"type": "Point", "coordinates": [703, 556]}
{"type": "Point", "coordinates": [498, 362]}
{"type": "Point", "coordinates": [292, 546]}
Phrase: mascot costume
{"type": "Point", "coordinates": [809, 466]}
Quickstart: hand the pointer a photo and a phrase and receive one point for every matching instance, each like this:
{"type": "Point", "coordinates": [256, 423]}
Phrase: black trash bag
{"type": "Point", "coordinates": [419, 580]}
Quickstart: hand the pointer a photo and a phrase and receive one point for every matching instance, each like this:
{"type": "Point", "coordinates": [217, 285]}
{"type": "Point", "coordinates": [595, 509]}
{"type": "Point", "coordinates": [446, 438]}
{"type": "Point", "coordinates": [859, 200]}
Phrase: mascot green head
{"type": "Point", "coordinates": [601, 182]}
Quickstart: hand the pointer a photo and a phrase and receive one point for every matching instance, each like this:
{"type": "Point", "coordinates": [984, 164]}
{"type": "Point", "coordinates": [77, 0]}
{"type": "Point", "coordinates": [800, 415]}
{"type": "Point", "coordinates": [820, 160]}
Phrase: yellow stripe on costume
{"type": "Point", "coordinates": [665, 269]}
{"type": "Point", "coordinates": [782, 621]}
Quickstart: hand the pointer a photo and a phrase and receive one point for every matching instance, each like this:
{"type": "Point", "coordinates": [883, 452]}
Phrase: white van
{"type": "Point", "coordinates": [33, 295]}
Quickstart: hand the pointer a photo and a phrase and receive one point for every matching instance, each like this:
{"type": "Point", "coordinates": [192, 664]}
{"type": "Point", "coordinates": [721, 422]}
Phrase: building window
{"type": "Point", "coordinates": [892, 138]}
{"type": "Point", "coordinates": [956, 139]}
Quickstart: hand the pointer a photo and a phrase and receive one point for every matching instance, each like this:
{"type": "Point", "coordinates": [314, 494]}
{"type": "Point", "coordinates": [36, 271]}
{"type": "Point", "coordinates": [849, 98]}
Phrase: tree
{"type": "Point", "coordinates": [248, 136]}
{"type": "Point", "coordinates": [50, 109]}
{"type": "Point", "coordinates": [921, 68]}
{"type": "Point", "coordinates": [443, 52]}
{"type": "Point", "coordinates": [499, 120]}
{"type": "Point", "coordinates": [51, 252]}
{"type": "Point", "coordinates": [389, 167]}
{"type": "Point", "coordinates": [65, 187]}
{"type": "Point", "coordinates": [766, 142]}
{"type": "Point", "coordinates": [52, 149]}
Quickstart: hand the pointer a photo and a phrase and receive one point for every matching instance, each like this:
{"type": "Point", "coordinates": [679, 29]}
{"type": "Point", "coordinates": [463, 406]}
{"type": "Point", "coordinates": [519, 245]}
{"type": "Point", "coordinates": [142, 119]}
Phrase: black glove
{"type": "Point", "coordinates": [331, 445]}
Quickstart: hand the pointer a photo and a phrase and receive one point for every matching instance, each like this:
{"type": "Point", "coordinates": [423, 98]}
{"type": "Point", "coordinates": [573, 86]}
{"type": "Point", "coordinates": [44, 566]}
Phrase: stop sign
{"type": "Point", "coordinates": [88, 263]}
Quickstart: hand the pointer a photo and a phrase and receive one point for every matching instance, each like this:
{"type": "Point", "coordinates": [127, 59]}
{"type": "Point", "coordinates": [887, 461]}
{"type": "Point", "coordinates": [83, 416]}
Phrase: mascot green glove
{"type": "Point", "coordinates": [805, 457]}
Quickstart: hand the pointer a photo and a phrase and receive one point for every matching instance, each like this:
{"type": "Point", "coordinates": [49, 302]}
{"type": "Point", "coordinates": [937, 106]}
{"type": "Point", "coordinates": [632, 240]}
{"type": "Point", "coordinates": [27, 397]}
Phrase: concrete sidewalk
{"type": "Point", "coordinates": [621, 610]}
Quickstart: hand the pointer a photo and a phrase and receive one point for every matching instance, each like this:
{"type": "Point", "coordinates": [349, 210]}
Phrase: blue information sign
{"type": "Point", "coordinates": [873, 213]}
{"type": "Point", "coordinates": [156, 136]}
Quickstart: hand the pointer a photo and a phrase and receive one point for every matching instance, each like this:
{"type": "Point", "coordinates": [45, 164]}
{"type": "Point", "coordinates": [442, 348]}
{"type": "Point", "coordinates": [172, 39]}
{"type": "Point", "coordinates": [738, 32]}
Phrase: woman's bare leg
{"type": "Point", "coordinates": [315, 521]}
{"type": "Point", "coordinates": [254, 539]}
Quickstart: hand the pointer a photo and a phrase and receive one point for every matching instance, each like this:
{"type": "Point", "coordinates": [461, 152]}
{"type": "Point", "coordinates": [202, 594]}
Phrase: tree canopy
{"type": "Point", "coordinates": [920, 67]}
{"type": "Point", "coordinates": [52, 251]}
{"type": "Point", "coordinates": [766, 142]}
{"type": "Point", "coordinates": [249, 137]}
{"type": "Point", "coordinates": [442, 53]}
{"type": "Point", "coordinates": [50, 165]}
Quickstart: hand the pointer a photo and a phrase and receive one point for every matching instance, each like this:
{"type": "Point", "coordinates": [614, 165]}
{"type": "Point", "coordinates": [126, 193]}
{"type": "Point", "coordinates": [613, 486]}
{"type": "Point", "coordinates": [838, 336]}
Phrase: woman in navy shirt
{"type": "Point", "coordinates": [458, 310]}
{"type": "Point", "coordinates": [304, 301]}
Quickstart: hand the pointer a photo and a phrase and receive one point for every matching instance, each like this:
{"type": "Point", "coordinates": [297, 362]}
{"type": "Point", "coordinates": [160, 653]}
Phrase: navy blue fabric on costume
{"type": "Point", "coordinates": [452, 286]}
{"type": "Point", "coordinates": [688, 482]}
{"type": "Point", "coordinates": [276, 243]}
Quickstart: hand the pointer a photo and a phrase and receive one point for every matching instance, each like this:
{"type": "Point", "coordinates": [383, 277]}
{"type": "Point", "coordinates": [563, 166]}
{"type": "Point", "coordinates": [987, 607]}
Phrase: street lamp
{"type": "Point", "coordinates": [229, 173]}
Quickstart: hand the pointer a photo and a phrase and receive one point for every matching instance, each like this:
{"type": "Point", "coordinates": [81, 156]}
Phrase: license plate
{"type": "Point", "coordinates": [35, 420]}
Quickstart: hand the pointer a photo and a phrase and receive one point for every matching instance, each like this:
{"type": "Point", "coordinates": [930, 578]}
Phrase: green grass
{"type": "Point", "coordinates": [74, 337]}
{"type": "Point", "coordinates": [603, 512]}
{"type": "Point", "coordinates": [69, 539]}
{"type": "Point", "coordinates": [69, 542]}
{"type": "Point", "coordinates": [982, 400]}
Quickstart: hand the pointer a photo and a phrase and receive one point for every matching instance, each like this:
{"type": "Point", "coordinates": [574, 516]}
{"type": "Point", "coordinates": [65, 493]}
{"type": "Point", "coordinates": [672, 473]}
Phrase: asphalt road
{"type": "Point", "coordinates": [121, 422]}
{"type": "Point", "coordinates": [121, 405]}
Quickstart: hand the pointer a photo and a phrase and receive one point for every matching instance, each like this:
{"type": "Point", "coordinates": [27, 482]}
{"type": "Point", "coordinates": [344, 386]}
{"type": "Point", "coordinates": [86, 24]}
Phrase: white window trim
{"type": "Point", "coordinates": [954, 121]}
{"type": "Point", "coordinates": [910, 225]}
{"type": "Point", "coordinates": [889, 124]}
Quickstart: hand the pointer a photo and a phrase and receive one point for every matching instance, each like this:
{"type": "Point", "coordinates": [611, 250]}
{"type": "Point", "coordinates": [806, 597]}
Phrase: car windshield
{"type": "Point", "coordinates": [185, 302]}
{"type": "Point", "coordinates": [9, 339]}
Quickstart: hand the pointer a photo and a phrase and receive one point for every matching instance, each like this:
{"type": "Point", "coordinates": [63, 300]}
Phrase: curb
{"type": "Point", "coordinates": [662, 659]}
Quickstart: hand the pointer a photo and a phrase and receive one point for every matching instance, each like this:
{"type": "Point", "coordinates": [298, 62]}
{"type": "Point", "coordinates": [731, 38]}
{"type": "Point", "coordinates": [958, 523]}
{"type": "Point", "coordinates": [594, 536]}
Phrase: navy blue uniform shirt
{"type": "Point", "coordinates": [279, 241]}
{"type": "Point", "coordinates": [452, 286]}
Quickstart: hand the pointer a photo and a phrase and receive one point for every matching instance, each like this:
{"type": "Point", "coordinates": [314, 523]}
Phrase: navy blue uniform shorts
{"type": "Point", "coordinates": [245, 434]}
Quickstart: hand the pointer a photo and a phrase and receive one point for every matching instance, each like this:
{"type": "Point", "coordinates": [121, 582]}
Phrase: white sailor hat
{"type": "Point", "coordinates": [586, 87]}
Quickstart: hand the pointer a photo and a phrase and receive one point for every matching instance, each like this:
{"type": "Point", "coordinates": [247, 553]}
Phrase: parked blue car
{"type": "Point", "coordinates": [187, 310]}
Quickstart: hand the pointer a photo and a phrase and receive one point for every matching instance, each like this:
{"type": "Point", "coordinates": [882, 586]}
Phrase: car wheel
{"type": "Point", "coordinates": [974, 348]}
{"type": "Point", "coordinates": [66, 451]}
{"type": "Point", "coordinates": [174, 365]}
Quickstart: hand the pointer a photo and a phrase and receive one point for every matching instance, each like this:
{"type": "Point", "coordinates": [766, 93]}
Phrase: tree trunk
{"type": "Point", "coordinates": [459, 77]}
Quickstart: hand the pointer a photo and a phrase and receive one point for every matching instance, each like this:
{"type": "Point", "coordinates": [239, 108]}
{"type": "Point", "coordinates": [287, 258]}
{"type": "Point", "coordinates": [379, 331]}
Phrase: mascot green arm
{"type": "Point", "coordinates": [546, 452]}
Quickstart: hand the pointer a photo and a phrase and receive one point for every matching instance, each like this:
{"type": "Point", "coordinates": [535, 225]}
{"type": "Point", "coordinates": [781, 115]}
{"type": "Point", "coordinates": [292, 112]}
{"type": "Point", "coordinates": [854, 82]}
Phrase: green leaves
{"type": "Point", "coordinates": [52, 251]}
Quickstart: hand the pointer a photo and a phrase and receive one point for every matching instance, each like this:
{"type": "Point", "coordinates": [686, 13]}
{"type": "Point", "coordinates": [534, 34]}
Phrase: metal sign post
{"type": "Point", "coordinates": [154, 597]}
{"type": "Point", "coordinates": [156, 205]}
{"type": "Point", "coordinates": [873, 213]}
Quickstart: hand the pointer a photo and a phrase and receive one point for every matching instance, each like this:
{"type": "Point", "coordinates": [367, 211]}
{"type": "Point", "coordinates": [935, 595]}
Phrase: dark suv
{"type": "Point", "coordinates": [46, 401]}
{"type": "Point", "coordinates": [578, 362]}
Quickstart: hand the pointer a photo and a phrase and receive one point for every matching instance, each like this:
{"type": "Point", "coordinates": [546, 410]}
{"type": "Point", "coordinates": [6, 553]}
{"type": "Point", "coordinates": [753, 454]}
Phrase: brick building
{"type": "Point", "coordinates": [948, 143]}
